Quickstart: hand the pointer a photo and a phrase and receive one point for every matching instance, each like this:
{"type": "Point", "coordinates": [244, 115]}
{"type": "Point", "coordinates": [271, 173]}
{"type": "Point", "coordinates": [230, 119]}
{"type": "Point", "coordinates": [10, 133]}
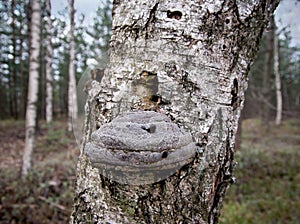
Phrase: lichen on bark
{"type": "Point", "coordinates": [194, 56]}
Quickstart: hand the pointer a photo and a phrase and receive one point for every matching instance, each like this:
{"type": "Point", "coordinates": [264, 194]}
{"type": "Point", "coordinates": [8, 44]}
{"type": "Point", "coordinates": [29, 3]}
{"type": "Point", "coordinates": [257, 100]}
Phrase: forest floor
{"type": "Point", "coordinates": [46, 196]}
{"type": "Point", "coordinates": [267, 188]}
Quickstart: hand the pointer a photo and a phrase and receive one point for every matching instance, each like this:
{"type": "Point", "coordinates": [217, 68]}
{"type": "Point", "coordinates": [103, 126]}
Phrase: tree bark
{"type": "Point", "coordinates": [278, 118]}
{"type": "Point", "coordinates": [185, 60]}
{"type": "Point", "coordinates": [72, 99]}
{"type": "Point", "coordinates": [49, 79]}
{"type": "Point", "coordinates": [32, 97]}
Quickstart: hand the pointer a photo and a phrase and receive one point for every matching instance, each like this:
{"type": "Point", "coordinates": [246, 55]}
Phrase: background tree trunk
{"type": "Point", "coordinates": [42, 79]}
{"type": "Point", "coordinates": [32, 97]}
{"type": "Point", "coordinates": [200, 54]}
{"type": "Point", "coordinates": [72, 100]}
{"type": "Point", "coordinates": [14, 69]}
{"type": "Point", "coordinates": [22, 84]}
{"type": "Point", "coordinates": [278, 118]}
{"type": "Point", "coordinates": [268, 65]}
{"type": "Point", "coordinates": [49, 79]}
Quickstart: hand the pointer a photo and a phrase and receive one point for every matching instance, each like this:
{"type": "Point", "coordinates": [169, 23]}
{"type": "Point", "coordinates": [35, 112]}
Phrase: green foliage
{"type": "Point", "coordinates": [268, 179]}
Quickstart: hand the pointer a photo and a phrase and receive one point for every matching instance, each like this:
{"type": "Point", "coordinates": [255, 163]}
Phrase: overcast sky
{"type": "Point", "coordinates": [287, 14]}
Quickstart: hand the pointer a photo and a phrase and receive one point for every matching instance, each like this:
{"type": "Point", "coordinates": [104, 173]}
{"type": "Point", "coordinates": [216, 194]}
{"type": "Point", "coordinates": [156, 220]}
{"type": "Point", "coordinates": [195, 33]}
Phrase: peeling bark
{"type": "Point", "coordinates": [188, 60]}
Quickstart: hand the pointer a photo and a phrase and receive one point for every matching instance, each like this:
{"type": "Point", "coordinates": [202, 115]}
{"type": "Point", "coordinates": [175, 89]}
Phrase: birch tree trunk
{"type": "Point", "coordinates": [277, 78]}
{"type": "Point", "coordinates": [72, 99]}
{"type": "Point", "coordinates": [32, 97]}
{"type": "Point", "coordinates": [186, 63]}
{"type": "Point", "coordinates": [49, 78]}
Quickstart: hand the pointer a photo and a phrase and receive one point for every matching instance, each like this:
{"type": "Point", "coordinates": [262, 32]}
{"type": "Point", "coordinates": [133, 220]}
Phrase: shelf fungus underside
{"type": "Point", "coordinates": [140, 148]}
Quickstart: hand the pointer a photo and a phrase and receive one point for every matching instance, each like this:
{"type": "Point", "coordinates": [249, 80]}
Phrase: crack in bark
{"type": "Point", "coordinates": [150, 20]}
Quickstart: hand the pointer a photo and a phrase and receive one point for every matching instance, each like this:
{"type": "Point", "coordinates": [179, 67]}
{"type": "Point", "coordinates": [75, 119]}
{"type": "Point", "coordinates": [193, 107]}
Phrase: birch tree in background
{"type": "Point", "coordinates": [278, 118]}
{"type": "Point", "coordinates": [49, 78]}
{"type": "Point", "coordinates": [175, 67]}
{"type": "Point", "coordinates": [31, 110]}
{"type": "Point", "coordinates": [72, 99]}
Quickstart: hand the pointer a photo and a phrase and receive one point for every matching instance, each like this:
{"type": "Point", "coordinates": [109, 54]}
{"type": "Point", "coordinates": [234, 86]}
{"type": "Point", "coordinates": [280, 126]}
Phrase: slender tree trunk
{"type": "Point", "coordinates": [42, 76]}
{"type": "Point", "coordinates": [186, 63]}
{"type": "Point", "coordinates": [23, 32]}
{"type": "Point", "coordinates": [277, 78]}
{"type": "Point", "coordinates": [10, 95]}
{"type": "Point", "coordinates": [14, 68]}
{"type": "Point", "coordinates": [49, 79]}
{"type": "Point", "coordinates": [33, 86]}
{"type": "Point", "coordinates": [267, 76]}
{"type": "Point", "coordinates": [22, 84]}
{"type": "Point", "coordinates": [72, 99]}
{"type": "Point", "coordinates": [42, 82]}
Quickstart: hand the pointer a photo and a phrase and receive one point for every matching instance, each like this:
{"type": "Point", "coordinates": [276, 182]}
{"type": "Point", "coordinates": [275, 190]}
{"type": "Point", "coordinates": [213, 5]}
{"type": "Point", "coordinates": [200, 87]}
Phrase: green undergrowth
{"type": "Point", "coordinates": [268, 176]}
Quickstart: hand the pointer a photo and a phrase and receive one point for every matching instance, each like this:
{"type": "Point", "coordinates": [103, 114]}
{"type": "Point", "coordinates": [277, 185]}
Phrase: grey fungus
{"type": "Point", "coordinates": [140, 147]}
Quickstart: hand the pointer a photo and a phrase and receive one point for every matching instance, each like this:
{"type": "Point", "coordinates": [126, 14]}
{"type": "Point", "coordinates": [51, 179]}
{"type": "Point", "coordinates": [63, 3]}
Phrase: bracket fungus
{"type": "Point", "coordinates": [140, 147]}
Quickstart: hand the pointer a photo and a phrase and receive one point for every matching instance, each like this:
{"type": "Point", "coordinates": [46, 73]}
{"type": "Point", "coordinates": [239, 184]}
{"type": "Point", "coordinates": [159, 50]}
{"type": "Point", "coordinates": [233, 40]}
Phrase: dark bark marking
{"type": "Point", "coordinates": [155, 98]}
{"type": "Point", "coordinates": [234, 92]}
{"type": "Point", "coordinates": [164, 155]}
{"type": "Point", "coordinates": [150, 19]}
{"type": "Point", "coordinates": [174, 14]}
{"type": "Point", "coordinates": [151, 128]}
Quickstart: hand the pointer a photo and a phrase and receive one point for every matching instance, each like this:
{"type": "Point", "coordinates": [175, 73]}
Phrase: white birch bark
{"type": "Point", "coordinates": [278, 118]}
{"type": "Point", "coordinates": [199, 53]}
{"type": "Point", "coordinates": [49, 78]}
{"type": "Point", "coordinates": [72, 99]}
{"type": "Point", "coordinates": [32, 97]}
